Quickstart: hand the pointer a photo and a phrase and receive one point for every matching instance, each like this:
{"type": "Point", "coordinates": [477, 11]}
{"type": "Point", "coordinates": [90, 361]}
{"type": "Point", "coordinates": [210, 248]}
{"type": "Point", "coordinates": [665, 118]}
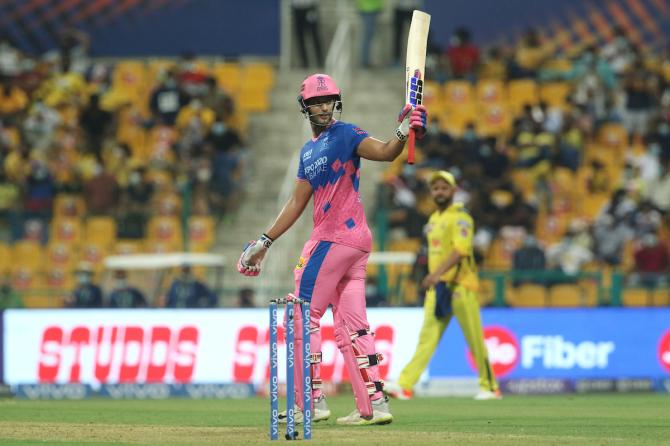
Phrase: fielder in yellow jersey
{"type": "Point", "coordinates": [452, 285]}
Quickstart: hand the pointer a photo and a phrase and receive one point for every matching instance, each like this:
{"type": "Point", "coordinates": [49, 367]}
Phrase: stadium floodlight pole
{"type": "Point", "coordinates": [274, 375]}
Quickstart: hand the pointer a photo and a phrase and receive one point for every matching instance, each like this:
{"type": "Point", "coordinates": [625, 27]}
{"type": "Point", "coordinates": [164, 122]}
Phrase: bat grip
{"type": "Point", "coordinates": [410, 146]}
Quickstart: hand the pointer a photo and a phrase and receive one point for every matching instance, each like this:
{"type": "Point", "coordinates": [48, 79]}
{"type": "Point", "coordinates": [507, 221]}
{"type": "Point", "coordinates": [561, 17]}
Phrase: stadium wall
{"type": "Point", "coordinates": [219, 353]}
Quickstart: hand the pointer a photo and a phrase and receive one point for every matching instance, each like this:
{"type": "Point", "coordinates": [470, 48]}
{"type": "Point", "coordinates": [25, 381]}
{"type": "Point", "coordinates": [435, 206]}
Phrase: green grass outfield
{"type": "Point", "coordinates": [516, 420]}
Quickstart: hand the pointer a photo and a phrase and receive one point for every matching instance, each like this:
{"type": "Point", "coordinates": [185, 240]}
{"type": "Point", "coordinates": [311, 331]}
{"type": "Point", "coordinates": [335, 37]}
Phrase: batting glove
{"type": "Point", "coordinates": [249, 263]}
{"type": "Point", "coordinates": [414, 118]}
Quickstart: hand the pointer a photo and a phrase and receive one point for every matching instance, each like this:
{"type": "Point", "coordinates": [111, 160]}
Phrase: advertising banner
{"type": "Point", "coordinates": [104, 347]}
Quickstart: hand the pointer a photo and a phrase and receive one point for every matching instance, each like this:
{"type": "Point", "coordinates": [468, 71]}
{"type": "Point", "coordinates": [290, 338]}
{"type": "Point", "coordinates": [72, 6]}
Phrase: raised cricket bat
{"type": "Point", "coordinates": [415, 67]}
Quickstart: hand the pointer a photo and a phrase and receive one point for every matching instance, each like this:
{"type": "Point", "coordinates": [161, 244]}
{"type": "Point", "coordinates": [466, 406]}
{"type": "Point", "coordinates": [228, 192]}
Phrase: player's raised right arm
{"type": "Point", "coordinates": [376, 150]}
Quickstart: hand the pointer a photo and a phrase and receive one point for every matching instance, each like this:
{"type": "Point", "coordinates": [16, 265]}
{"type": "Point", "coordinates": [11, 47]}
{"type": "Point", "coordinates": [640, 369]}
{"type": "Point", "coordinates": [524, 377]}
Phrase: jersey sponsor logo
{"type": "Point", "coordinates": [317, 167]}
{"type": "Point", "coordinates": [359, 131]}
{"type": "Point", "coordinates": [416, 89]}
{"type": "Point", "coordinates": [664, 351]}
{"type": "Point", "coordinates": [306, 155]}
{"type": "Point", "coordinates": [301, 263]}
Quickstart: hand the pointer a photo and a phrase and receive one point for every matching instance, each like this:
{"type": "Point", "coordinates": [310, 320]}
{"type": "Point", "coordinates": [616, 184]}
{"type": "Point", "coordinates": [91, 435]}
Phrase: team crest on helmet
{"type": "Point", "coordinates": [321, 83]}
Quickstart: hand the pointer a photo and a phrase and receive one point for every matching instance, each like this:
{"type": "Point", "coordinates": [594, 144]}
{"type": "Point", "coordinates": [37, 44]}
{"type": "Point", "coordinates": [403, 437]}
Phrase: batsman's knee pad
{"type": "Point", "coordinates": [346, 342]}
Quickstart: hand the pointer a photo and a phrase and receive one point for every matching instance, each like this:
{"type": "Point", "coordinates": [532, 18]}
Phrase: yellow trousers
{"type": "Point", "coordinates": [466, 309]}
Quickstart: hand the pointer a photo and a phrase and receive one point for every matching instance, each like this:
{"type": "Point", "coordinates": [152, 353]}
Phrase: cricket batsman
{"type": "Point", "coordinates": [452, 286]}
{"type": "Point", "coordinates": [332, 266]}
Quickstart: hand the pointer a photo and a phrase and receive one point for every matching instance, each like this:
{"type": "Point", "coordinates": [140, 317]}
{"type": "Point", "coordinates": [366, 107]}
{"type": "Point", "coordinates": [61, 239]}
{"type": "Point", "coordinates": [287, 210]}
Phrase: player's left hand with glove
{"type": "Point", "coordinates": [249, 263]}
{"type": "Point", "coordinates": [414, 118]}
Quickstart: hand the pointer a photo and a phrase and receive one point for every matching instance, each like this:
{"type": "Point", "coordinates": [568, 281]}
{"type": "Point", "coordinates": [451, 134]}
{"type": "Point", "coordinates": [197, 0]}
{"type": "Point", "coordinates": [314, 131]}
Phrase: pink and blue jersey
{"type": "Point", "coordinates": [332, 167]}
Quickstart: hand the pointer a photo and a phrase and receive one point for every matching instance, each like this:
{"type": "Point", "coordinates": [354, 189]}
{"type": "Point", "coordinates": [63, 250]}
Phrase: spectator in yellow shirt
{"type": "Point", "coordinates": [13, 100]}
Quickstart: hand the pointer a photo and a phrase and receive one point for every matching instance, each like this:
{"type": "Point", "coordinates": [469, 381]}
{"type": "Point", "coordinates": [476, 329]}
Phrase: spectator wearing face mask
{"type": "Point", "coordinates": [462, 55]}
{"type": "Point", "coordinates": [124, 295]}
{"type": "Point", "coordinates": [188, 292]}
{"type": "Point", "coordinates": [101, 192]}
{"type": "Point", "coordinates": [40, 190]}
{"type": "Point", "coordinates": [652, 263]}
{"type": "Point", "coordinates": [167, 99]}
{"type": "Point", "coordinates": [87, 294]}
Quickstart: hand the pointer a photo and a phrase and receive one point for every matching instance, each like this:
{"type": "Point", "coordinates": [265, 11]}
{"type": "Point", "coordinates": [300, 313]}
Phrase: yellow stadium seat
{"type": "Point", "coordinates": [130, 78]}
{"type": "Point", "coordinates": [201, 232]}
{"type": "Point", "coordinates": [570, 295]}
{"type": "Point", "coordinates": [527, 295]}
{"type": "Point", "coordinates": [613, 136]}
{"type": "Point", "coordinates": [27, 254]}
{"type": "Point", "coordinates": [490, 91]}
{"type": "Point", "coordinates": [66, 205]}
{"type": "Point", "coordinates": [498, 256]}
{"type": "Point", "coordinates": [455, 121]}
{"type": "Point", "coordinates": [258, 75]}
{"type": "Point", "coordinates": [591, 204]}
{"type": "Point", "coordinates": [165, 230]}
{"type": "Point", "coordinates": [524, 181]}
{"type": "Point", "coordinates": [486, 292]}
{"type": "Point", "coordinates": [555, 94]}
{"type": "Point", "coordinates": [253, 99]}
{"type": "Point", "coordinates": [637, 297]}
{"type": "Point", "coordinates": [458, 93]}
{"type": "Point", "coordinates": [60, 255]}
{"type": "Point", "coordinates": [5, 258]}
{"type": "Point", "coordinates": [101, 230]}
{"type": "Point", "coordinates": [406, 244]}
{"type": "Point", "coordinates": [66, 230]}
{"type": "Point", "coordinates": [560, 65]}
{"type": "Point", "coordinates": [168, 204]}
{"type": "Point", "coordinates": [521, 92]}
{"type": "Point", "coordinates": [59, 279]}
{"type": "Point", "coordinates": [227, 76]}
{"type": "Point", "coordinates": [432, 97]}
{"type": "Point", "coordinates": [493, 120]}
{"type": "Point", "coordinates": [94, 254]}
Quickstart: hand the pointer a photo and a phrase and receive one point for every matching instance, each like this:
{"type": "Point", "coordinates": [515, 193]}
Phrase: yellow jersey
{"type": "Point", "coordinates": [448, 231]}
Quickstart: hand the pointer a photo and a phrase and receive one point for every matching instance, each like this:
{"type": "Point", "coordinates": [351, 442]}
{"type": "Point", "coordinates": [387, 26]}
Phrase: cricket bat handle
{"type": "Point", "coordinates": [410, 146]}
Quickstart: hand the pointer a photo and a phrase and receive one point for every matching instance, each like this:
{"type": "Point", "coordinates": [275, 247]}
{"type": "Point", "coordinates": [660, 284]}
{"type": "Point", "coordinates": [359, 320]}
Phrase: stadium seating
{"type": "Point", "coordinates": [527, 295]}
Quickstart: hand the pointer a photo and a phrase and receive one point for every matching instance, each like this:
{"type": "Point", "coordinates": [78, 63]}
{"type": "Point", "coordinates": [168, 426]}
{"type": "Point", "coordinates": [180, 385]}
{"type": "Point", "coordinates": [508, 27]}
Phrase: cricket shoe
{"type": "Point", "coordinates": [394, 390]}
{"type": "Point", "coordinates": [321, 412]}
{"type": "Point", "coordinates": [484, 395]}
{"type": "Point", "coordinates": [381, 414]}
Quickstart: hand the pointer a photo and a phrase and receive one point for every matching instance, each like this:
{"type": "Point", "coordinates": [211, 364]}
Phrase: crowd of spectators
{"type": "Point", "coordinates": [552, 184]}
{"type": "Point", "coordinates": [185, 291]}
{"type": "Point", "coordinates": [64, 130]}
{"type": "Point", "coordinates": [129, 139]}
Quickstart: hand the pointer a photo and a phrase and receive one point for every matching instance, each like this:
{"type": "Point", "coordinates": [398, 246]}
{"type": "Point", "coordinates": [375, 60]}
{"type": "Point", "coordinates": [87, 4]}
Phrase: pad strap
{"type": "Point", "coordinates": [359, 333]}
{"type": "Point", "coordinates": [317, 384]}
{"type": "Point", "coordinates": [365, 361]}
{"type": "Point", "coordinates": [374, 387]}
{"type": "Point", "coordinates": [315, 358]}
